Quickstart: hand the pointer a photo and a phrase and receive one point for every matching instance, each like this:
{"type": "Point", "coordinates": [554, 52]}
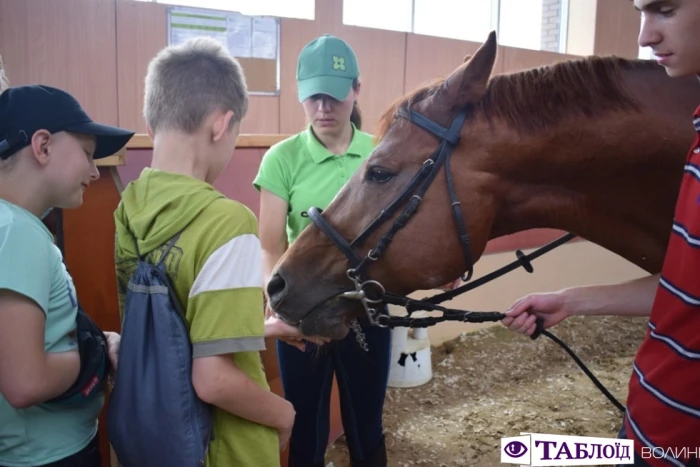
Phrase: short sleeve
{"type": "Point", "coordinates": [225, 304]}
{"type": "Point", "coordinates": [271, 174]}
{"type": "Point", "coordinates": [25, 262]}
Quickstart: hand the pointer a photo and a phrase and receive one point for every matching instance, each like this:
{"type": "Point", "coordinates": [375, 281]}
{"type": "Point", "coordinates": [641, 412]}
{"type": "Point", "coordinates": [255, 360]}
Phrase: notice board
{"type": "Point", "coordinates": [253, 40]}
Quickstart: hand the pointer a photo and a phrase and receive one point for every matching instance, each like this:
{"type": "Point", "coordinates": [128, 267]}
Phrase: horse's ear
{"type": "Point", "coordinates": [468, 82]}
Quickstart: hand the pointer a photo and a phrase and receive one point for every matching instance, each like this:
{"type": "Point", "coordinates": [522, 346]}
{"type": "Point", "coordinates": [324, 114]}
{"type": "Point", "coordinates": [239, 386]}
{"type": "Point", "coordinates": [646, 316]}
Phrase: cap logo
{"type": "Point", "coordinates": [338, 63]}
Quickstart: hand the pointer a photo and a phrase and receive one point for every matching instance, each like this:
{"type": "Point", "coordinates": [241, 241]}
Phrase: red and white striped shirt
{"type": "Point", "coordinates": [663, 406]}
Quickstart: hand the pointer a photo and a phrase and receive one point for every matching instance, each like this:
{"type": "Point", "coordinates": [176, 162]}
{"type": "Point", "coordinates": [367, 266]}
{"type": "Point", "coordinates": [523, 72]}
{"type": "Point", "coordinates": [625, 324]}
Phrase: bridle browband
{"type": "Point", "coordinates": [372, 294]}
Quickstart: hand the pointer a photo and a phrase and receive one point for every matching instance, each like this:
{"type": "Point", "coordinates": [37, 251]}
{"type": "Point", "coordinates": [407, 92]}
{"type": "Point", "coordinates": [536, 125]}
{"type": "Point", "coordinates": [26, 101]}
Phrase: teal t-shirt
{"type": "Point", "coordinates": [31, 264]}
{"type": "Point", "coordinates": [304, 173]}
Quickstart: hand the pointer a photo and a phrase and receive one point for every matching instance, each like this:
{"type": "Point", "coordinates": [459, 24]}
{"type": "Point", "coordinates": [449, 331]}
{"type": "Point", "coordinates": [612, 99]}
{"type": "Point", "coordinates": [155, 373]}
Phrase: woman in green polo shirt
{"type": "Point", "coordinates": [305, 170]}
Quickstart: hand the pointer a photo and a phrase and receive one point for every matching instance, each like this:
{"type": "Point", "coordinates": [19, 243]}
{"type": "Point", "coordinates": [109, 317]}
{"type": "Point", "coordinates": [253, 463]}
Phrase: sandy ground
{"type": "Point", "coordinates": [493, 383]}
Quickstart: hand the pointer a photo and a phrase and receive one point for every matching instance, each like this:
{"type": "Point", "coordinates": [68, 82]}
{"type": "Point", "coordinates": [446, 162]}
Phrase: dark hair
{"type": "Point", "coordinates": [356, 116]}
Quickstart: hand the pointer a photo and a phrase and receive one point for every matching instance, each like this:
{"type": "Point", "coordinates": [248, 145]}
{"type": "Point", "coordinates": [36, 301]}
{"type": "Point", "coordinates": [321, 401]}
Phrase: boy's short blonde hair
{"type": "Point", "coordinates": [4, 82]}
{"type": "Point", "coordinates": [187, 82]}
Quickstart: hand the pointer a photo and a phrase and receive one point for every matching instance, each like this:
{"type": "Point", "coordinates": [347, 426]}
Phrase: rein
{"type": "Point", "coordinates": [372, 294]}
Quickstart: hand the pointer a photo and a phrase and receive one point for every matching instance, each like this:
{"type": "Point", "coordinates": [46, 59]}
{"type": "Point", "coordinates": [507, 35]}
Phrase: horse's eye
{"type": "Point", "coordinates": [378, 175]}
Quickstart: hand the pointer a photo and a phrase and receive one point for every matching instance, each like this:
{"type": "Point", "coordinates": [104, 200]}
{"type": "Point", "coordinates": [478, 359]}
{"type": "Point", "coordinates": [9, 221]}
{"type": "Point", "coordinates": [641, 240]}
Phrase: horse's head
{"type": "Point", "coordinates": [401, 252]}
{"type": "Point", "coordinates": [475, 157]}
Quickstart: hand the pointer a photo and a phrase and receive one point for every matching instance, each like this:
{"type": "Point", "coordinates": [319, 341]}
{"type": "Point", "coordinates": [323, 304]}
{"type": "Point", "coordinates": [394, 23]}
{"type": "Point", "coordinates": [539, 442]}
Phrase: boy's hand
{"type": "Point", "coordinates": [113, 341]}
{"type": "Point", "coordinates": [275, 327]}
{"type": "Point", "coordinates": [285, 431]}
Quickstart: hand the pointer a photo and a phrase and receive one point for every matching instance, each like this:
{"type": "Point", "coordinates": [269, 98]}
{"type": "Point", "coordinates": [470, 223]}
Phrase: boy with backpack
{"type": "Point", "coordinates": [207, 245]}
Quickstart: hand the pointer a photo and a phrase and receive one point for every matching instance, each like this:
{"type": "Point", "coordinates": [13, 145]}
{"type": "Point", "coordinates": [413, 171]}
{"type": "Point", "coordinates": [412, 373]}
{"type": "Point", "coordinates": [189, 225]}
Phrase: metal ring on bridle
{"type": "Point", "coordinates": [376, 284]}
{"type": "Point", "coordinates": [383, 321]}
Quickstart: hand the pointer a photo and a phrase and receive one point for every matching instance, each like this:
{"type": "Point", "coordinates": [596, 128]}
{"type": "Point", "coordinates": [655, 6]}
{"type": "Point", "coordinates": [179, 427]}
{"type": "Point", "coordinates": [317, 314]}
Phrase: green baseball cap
{"type": "Point", "coordinates": [327, 65]}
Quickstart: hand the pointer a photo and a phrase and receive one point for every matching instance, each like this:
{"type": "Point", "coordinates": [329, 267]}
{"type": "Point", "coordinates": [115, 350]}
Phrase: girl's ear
{"type": "Point", "coordinates": [41, 146]}
{"type": "Point", "coordinates": [357, 88]}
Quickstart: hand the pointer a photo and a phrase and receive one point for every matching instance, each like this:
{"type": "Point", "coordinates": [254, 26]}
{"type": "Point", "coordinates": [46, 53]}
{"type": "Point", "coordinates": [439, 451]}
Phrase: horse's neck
{"type": "Point", "coordinates": [612, 182]}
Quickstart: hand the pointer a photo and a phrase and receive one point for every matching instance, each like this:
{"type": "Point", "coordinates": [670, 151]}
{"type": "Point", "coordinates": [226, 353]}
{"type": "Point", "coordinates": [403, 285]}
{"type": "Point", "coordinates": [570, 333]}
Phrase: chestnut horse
{"type": "Point", "coordinates": [595, 147]}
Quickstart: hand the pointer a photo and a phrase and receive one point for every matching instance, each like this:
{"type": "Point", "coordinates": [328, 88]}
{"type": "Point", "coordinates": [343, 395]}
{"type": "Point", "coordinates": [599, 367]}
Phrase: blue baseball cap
{"type": "Point", "coordinates": [24, 110]}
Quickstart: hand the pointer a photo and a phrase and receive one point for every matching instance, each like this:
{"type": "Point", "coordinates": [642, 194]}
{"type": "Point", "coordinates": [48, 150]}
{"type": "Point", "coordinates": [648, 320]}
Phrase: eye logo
{"type": "Point", "coordinates": [515, 449]}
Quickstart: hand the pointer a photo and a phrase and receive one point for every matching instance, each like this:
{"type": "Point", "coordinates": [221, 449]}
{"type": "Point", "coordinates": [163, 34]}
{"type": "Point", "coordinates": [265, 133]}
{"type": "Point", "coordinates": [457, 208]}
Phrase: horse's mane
{"type": "Point", "coordinates": [539, 98]}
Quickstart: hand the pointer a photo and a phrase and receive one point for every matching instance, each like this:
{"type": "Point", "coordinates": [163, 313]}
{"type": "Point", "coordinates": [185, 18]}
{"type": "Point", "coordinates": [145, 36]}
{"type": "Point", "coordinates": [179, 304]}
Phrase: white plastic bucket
{"type": "Point", "coordinates": [411, 365]}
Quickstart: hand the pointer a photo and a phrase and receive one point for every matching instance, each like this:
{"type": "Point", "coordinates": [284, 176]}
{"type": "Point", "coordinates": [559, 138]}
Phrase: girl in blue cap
{"type": "Point", "coordinates": [50, 375]}
{"type": "Point", "coordinates": [305, 170]}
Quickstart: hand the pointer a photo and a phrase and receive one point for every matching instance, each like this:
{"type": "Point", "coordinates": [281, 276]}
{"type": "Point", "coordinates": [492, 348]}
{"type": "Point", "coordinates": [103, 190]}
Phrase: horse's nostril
{"type": "Point", "coordinates": [276, 288]}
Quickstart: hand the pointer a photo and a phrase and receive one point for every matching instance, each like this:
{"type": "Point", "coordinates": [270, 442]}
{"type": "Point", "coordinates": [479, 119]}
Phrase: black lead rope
{"type": "Point", "coordinates": [599, 385]}
{"type": "Point", "coordinates": [450, 314]}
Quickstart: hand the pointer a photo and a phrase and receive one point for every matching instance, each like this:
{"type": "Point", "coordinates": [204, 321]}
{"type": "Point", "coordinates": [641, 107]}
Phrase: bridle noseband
{"type": "Point", "coordinates": [372, 294]}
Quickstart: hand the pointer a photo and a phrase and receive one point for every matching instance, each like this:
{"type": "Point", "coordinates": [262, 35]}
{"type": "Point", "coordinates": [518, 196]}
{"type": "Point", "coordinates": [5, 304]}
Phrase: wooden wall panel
{"type": "Point", "coordinates": [429, 57]}
{"type": "Point", "coordinates": [263, 115]}
{"type": "Point", "coordinates": [296, 33]}
{"type": "Point", "coordinates": [69, 44]}
{"type": "Point", "coordinates": [617, 28]}
{"type": "Point", "coordinates": [521, 59]}
{"type": "Point", "coordinates": [382, 58]}
{"type": "Point", "coordinates": [141, 33]}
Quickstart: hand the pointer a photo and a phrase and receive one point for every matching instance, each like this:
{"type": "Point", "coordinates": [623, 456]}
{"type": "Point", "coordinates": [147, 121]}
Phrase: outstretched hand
{"type": "Point", "coordinates": [275, 327]}
{"type": "Point", "coordinates": [522, 314]}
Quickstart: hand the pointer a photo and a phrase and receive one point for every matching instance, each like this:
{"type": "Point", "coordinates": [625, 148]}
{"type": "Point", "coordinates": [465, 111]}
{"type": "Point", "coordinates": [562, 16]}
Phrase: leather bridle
{"type": "Point", "coordinates": [372, 293]}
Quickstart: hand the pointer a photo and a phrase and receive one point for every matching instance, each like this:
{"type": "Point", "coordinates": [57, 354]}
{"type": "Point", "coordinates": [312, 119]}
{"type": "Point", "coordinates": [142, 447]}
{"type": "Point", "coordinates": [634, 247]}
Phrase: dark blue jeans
{"type": "Point", "coordinates": [307, 378]}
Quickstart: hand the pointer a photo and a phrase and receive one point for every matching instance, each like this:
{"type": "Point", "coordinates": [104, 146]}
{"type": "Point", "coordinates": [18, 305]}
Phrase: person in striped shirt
{"type": "Point", "coordinates": [195, 99]}
{"type": "Point", "coordinates": [663, 404]}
